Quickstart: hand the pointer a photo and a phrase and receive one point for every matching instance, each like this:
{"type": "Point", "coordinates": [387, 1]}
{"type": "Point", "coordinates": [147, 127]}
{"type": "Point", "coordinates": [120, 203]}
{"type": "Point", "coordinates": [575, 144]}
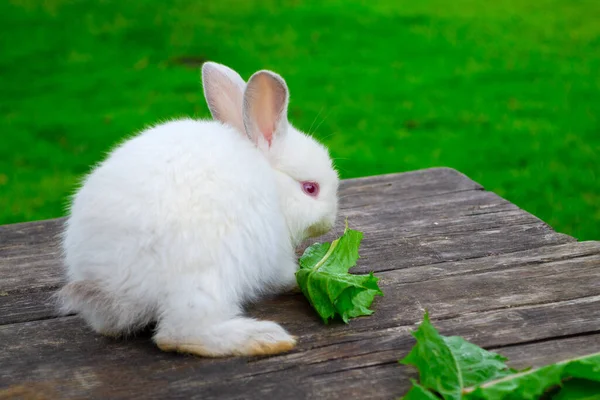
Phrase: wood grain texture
{"type": "Point", "coordinates": [60, 352]}
{"type": "Point", "coordinates": [484, 269]}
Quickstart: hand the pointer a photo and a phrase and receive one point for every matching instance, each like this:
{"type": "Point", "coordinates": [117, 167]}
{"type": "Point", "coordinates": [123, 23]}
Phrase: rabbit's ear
{"type": "Point", "coordinates": [224, 91]}
{"type": "Point", "coordinates": [265, 108]}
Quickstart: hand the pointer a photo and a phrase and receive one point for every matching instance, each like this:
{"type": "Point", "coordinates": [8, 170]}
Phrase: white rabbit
{"type": "Point", "coordinates": [187, 221]}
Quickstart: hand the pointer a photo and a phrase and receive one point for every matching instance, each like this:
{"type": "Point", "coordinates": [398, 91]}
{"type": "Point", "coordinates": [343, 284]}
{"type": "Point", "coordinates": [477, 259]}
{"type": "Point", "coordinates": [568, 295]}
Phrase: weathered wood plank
{"type": "Point", "coordinates": [29, 255]}
{"type": "Point", "coordinates": [26, 306]}
{"type": "Point", "coordinates": [413, 184]}
{"type": "Point", "coordinates": [59, 354]}
{"type": "Point", "coordinates": [387, 250]}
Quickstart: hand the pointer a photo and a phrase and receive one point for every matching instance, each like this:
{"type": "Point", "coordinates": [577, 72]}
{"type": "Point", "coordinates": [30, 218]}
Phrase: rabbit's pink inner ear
{"type": "Point", "coordinates": [266, 113]}
{"type": "Point", "coordinates": [224, 89]}
{"type": "Point", "coordinates": [267, 104]}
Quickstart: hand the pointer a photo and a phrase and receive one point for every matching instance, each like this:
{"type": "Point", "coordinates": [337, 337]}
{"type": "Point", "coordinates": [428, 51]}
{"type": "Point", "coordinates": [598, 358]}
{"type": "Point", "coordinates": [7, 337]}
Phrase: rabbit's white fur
{"type": "Point", "coordinates": [185, 222]}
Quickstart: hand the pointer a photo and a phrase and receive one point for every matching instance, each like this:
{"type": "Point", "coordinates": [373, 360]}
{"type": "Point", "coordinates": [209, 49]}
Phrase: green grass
{"type": "Point", "coordinates": [504, 91]}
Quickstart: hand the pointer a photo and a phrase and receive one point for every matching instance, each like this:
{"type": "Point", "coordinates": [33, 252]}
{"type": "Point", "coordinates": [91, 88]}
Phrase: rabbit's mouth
{"type": "Point", "coordinates": [319, 229]}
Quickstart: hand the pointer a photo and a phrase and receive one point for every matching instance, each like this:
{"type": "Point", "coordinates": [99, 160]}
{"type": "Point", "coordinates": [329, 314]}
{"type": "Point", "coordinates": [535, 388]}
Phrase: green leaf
{"type": "Point", "coordinates": [418, 392]}
{"type": "Point", "coordinates": [452, 368]}
{"type": "Point", "coordinates": [324, 279]}
{"type": "Point", "coordinates": [530, 385]}
{"type": "Point", "coordinates": [447, 365]}
{"type": "Point", "coordinates": [476, 364]}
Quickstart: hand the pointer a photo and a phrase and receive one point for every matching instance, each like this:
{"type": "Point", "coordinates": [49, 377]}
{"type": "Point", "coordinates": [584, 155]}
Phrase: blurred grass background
{"type": "Point", "coordinates": [505, 91]}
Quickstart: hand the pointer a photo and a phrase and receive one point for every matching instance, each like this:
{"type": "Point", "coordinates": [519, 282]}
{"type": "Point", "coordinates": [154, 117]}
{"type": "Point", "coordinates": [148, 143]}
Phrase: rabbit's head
{"type": "Point", "coordinates": [307, 181]}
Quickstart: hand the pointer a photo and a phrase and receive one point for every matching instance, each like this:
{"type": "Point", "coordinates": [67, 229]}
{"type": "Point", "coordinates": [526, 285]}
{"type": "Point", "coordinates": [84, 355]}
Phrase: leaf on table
{"type": "Point", "coordinates": [452, 368]}
{"type": "Point", "coordinates": [324, 279]}
{"type": "Point", "coordinates": [532, 384]}
{"type": "Point", "coordinates": [447, 365]}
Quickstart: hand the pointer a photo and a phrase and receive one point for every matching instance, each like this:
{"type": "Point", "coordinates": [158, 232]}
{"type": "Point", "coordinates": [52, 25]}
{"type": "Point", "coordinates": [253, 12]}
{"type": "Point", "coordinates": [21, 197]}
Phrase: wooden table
{"type": "Point", "coordinates": [484, 269]}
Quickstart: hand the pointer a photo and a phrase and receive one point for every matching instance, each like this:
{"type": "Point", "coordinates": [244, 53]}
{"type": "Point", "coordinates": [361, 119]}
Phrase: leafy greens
{"type": "Point", "coordinates": [453, 369]}
{"type": "Point", "coordinates": [324, 279]}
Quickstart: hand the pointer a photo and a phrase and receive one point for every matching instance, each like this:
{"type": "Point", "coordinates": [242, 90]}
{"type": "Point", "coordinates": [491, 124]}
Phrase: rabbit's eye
{"type": "Point", "coordinates": [311, 188]}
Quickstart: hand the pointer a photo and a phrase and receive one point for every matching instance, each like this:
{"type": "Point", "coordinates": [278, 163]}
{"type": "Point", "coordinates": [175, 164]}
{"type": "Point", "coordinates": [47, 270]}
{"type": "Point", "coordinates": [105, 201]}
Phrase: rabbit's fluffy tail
{"type": "Point", "coordinates": [106, 312]}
